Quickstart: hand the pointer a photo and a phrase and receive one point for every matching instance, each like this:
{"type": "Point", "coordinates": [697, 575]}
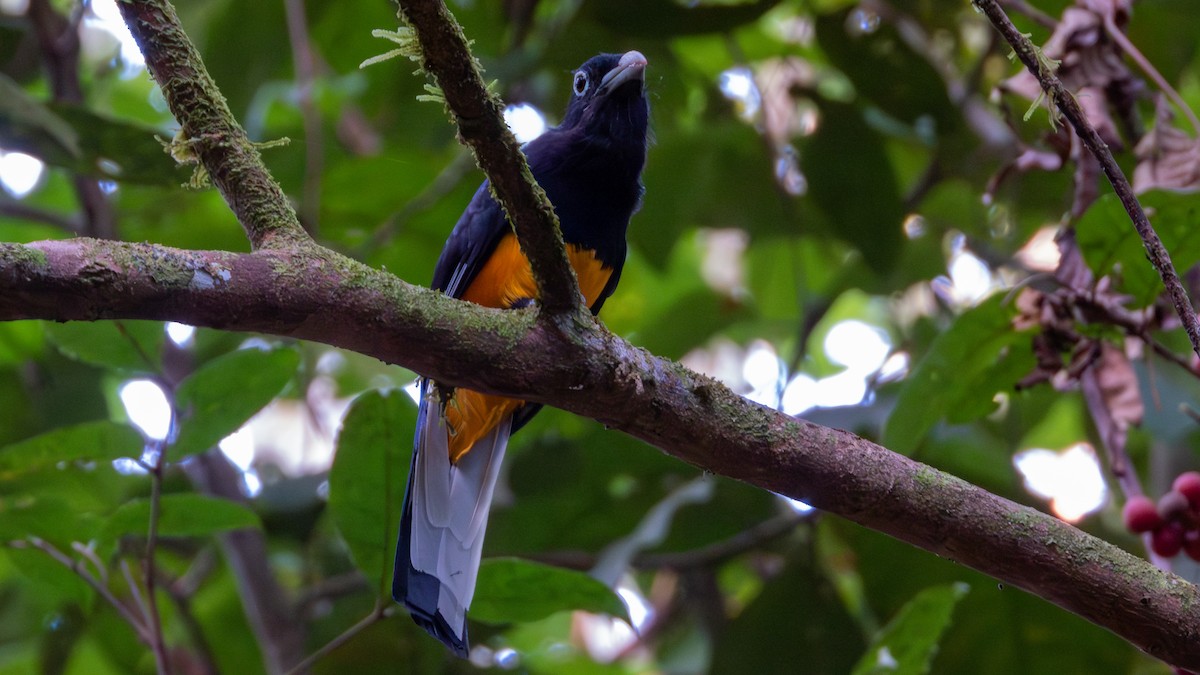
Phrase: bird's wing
{"type": "Point", "coordinates": [478, 231]}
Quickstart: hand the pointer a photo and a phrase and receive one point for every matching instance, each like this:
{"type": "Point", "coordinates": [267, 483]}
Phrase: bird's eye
{"type": "Point", "coordinates": [581, 83]}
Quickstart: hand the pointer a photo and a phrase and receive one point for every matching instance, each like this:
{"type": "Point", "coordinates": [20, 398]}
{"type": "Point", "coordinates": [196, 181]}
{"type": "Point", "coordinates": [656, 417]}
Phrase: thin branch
{"type": "Point", "coordinates": [594, 373]}
{"type": "Point", "coordinates": [1148, 68]}
{"type": "Point", "coordinates": [134, 590]}
{"type": "Point", "coordinates": [1042, 18]}
{"type": "Point", "coordinates": [747, 540]}
{"type": "Point", "coordinates": [378, 614]}
{"type": "Point", "coordinates": [350, 583]}
{"type": "Point", "coordinates": [156, 478]}
{"type": "Point", "coordinates": [22, 211]}
{"type": "Point", "coordinates": [77, 567]}
{"type": "Point", "coordinates": [478, 113]}
{"type": "Point", "coordinates": [306, 72]}
{"type": "Point", "coordinates": [209, 130]}
{"type": "Point", "coordinates": [441, 185]}
{"type": "Point", "coordinates": [58, 38]}
{"type": "Point", "coordinates": [203, 654]}
{"type": "Point", "coordinates": [1036, 63]}
{"type": "Point", "coordinates": [89, 554]}
{"type": "Point", "coordinates": [277, 629]}
{"type": "Point", "coordinates": [1162, 350]}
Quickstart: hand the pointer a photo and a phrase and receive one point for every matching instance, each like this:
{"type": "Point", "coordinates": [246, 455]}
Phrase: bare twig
{"type": "Point", "coordinates": [330, 589]}
{"type": "Point", "coordinates": [156, 478]}
{"type": "Point", "coordinates": [58, 38]}
{"type": "Point", "coordinates": [279, 632]}
{"type": "Point", "coordinates": [441, 185]}
{"type": "Point", "coordinates": [378, 614]}
{"type": "Point", "coordinates": [306, 72]}
{"type": "Point", "coordinates": [1036, 63]}
{"type": "Point", "coordinates": [76, 566]}
{"type": "Point", "coordinates": [134, 590]}
{"type": "Point", "coordinates": [15, 209]}
{"type": "Point", "coordinates": [747, 540]}
{"type": "Point", "coordinates": [1042, 18]}
{"type": "Point", "coordinates": [1148, 68]}
{"type": "Point", "coordinates": [203, 650]}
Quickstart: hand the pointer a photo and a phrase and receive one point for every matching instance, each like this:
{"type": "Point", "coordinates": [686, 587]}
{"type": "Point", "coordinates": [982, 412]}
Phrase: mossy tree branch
{"type": "Point", "coordinates": [326, 298]}
{"type": "Point", "coordinates": [478, 114]}
{"type": "Point", "coordinates": [209, 133]}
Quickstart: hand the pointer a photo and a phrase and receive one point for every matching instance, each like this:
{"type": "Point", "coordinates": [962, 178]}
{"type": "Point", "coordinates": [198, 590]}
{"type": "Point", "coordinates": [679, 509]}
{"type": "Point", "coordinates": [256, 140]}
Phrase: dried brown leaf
{"type": "Point", "coordinates": [1168, 158]}
{"type": "Point", "coordinates": [1114, 398]}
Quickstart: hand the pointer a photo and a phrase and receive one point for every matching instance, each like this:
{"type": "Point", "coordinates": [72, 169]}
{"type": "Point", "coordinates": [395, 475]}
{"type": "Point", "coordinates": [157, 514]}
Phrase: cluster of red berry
{"type": "Point", "coordinates": [1173, 523]}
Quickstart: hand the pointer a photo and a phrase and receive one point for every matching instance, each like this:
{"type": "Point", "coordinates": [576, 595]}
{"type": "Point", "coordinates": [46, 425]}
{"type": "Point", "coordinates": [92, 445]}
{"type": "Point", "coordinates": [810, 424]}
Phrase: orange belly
{"type": "Point", "coordinates": [505, 279]}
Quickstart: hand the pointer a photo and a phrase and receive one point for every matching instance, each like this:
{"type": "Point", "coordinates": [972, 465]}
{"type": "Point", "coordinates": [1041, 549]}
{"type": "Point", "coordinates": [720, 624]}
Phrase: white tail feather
{"type": "Point", "coordinates": [450, 508]}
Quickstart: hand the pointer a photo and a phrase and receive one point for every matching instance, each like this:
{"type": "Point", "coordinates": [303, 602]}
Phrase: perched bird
{"type": "Point", "coordinates": [590, 166]}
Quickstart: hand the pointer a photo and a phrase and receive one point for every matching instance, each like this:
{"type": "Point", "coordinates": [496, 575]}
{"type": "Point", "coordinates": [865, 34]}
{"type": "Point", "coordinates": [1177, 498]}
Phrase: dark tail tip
{"type": "Point", "coordinates": [419, 593]}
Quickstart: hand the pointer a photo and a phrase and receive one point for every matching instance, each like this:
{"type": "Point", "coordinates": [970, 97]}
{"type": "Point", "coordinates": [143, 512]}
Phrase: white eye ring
{"type": "Point", "coordinates": [581, 83]}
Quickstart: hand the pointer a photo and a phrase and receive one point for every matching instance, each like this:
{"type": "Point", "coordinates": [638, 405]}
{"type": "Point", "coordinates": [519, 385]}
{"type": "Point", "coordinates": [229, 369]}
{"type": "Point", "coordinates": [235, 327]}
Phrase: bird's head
{"type": "Point", "coordinates": [608, 97]}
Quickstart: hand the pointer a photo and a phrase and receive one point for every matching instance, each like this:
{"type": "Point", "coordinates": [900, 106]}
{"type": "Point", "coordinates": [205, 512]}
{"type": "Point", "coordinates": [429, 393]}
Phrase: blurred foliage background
{"type": "Point", "coordinates": [847, 217]}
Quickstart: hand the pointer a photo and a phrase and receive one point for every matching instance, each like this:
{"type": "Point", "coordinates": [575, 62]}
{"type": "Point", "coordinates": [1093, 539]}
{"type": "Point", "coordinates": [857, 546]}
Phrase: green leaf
{"type": "Point", "coordinates": [132, 346]}
{"type": "Point", "coordinates": [689, 184]}
{"type": "Point", "coordinates": [120, 150]}
{"type": "Point", "coordinates": [656, 18]}
{"type": "Point", "coordinates": [83, 141]}
{"type": "Point", "coordinates": [366, 482]}
{"type": "Point", "coordinates": [20, 340]}
{"type": "Point", "coordinates": [28, 125]}
{"type": "Point", "coordinates": [907, 645]}
{"type": "Point", "coordinates": [180, 515]}
{"type": "Point", "coordinates": [797, 615]}
{"type": "Point", "coordinates": [961, 372]}
{"type": "Point", "coordinates": [49, 580]}
{"type": "Point", "coordinates": [851, 179]}
{"type": "Point", "coordinates": [887, 72]}
{"type": "Point", "coordinates": [1110, 245]}
{"type": "Point", "coordinates": [48, 517]}
{"type": "Point", "coordinates": [101, 440]}
{"type": "Point", "coordinates": [510, 590]}
{"type": "Point", "coordinates": [225, 392]}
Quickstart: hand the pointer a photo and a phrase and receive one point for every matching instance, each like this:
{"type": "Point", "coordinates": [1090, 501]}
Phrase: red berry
{"type": "Point", "coordinates": [1140, 515]}
{"type": "Point", "coordinates": [1188, 484]}
{"type": "Point", "coordinates": [1167, 540]}
{"type": "Point", "coordinates": [1191, 544]}
{"type": "Point", "coordinates": [1172, 505]}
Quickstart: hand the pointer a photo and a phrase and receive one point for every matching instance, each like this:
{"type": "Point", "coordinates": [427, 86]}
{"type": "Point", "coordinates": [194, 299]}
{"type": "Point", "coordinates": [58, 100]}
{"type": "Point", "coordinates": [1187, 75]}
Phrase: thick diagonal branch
{"type": "Point", "coordinates": [327, 298]}
{"type": "Point", "coordinates": [478, 113]}
{"type": "Point", "coordinates": [208, 128]}
{"type": "Point", "coordinates": [1037, 65]}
